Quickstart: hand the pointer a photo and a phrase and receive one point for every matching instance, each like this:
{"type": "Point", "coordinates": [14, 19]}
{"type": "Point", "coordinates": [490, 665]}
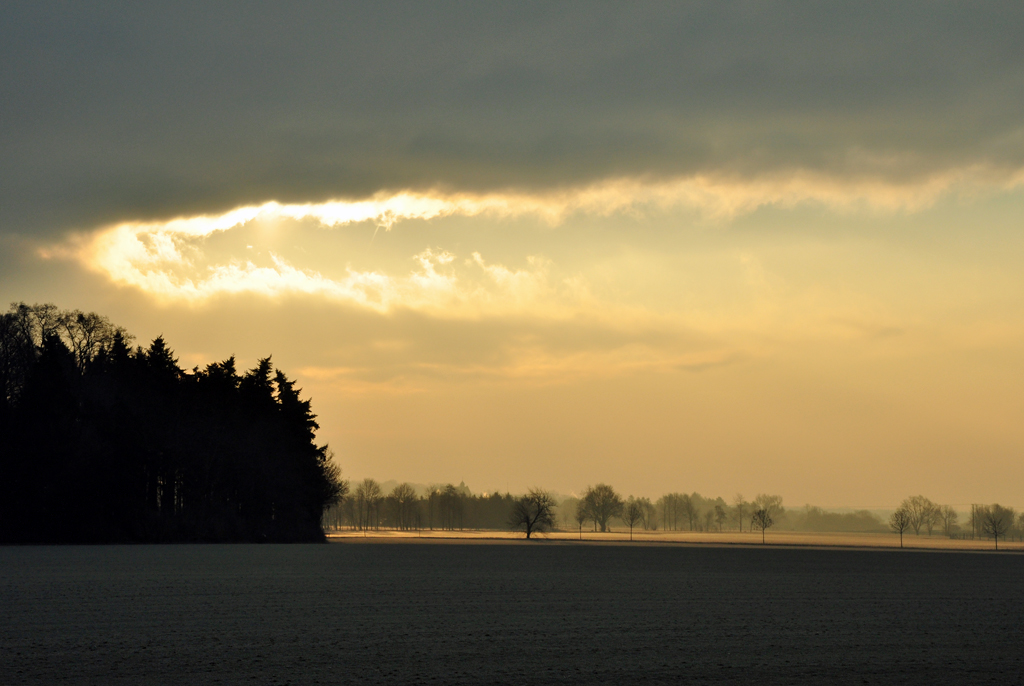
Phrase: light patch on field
{"type": "Point", "coordinates": [729, 538]}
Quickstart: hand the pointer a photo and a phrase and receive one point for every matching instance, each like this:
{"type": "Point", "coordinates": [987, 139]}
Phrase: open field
{"type": "Point", "coordinates": [728, 538]}
{"type": "Point", "coordinates": [507, 613]}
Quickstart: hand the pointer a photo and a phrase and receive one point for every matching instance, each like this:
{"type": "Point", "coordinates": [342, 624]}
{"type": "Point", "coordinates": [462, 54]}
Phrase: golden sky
{"type": "Point", "coordinates": [768, 248]}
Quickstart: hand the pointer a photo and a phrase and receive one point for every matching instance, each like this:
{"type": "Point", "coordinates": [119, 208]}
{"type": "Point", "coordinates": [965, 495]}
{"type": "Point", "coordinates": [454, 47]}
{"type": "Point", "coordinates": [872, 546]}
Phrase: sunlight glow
{"type": "Point", "coordinates": [160, 258]}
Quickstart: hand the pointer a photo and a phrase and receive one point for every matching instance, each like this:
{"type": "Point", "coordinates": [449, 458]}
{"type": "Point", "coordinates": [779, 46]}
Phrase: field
{"type": "Point", "coordinates": [727, 538]}
{"type": "Point", "coordinates": [502, 611]}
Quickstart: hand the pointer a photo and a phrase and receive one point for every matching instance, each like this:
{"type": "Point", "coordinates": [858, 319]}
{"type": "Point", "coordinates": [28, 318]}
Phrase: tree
{"type": "Point", "coordinates": [761, 519]}
{"type": "Point", "coordinates": [996, 521]}
{"type": "Point", "coordinates": [433, 499]}
{"type": "Point", "coordinates": [949, 517]}
{"type": "Point", "coordinates": [86, 334]}
{"type": "Point", "coordinates": [932, 517]}
{"type": "Point", "coordinates": [134, 448]}
{"type": "Point", "coordinates": [689, 504]}
{"type": "Point", "coordinates": [368, 498]}
{"type": "Point", "coordinates": [920, 510]}
{"type": "Point", "coordinates": [582, 515]}
{"type": "Point", "coordinates": [533, 512]}
{"type": "Point", "coordinates": [452, 506]}
{"type": "Point", "coordinates": [650, 517]}
{"type": "Point", "coordinates": [603, 503]}
{"type": "Point", "coordinates": [771, 503]}
{"type": "Point", "coordinates": [669, 506]}
{"type": "Point", "coordinates": [404, 498]}
{"type": "Point", "coordinates": [632, 514]}
{"type": "Point", "coordinates": [709, 517]}
{"type": "Point", "coordinates": [337, 494]}
{"type": "Point", "coordinates": [900, 522]}
{"type": "Point", "coordinates": [739, 506]}
{"type": "Point", "coordinates": [720, 515]}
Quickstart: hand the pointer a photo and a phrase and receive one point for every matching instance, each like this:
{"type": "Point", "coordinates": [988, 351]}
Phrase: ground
{"type": "Point", "coordinates": [507, 612]}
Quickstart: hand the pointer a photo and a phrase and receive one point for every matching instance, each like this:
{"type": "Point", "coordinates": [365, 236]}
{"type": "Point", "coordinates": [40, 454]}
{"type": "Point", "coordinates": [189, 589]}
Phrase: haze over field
{"type": "Point", "coordinates": [754, 248]}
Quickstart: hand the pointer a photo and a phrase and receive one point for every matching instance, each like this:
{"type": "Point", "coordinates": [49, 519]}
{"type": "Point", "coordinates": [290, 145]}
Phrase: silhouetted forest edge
{"type": "Point", "coordinates": [104, 443]}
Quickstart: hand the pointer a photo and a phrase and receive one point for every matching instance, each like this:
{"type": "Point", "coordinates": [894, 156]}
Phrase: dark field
{"type": "Point", "coordinates": [507, 613]}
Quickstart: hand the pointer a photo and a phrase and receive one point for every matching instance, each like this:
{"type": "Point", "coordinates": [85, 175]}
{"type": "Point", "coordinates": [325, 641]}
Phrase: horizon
{"type": "Point", "coordinates": [705, 249]}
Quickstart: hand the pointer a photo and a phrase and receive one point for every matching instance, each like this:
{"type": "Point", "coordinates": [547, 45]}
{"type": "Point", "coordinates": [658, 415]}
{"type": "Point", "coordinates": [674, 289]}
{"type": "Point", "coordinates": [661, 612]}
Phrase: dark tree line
{"type": "Point", "coordinates": [103, 443]}
{"type": "Point", "coordinates": [439, 508]}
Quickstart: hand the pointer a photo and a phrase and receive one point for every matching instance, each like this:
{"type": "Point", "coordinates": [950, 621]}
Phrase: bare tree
{"type": "Point", "coordinates": [919, 508]}
{"type": "Point", "coordinates": [761, 519]}
{"type": "Point", "coordinates": [690, 508]}
{"type": "Point", "coordinates": [671, 506]}
{"type": "Point", "coordinates": [333, 515]}
{"type": "Point", "coordinates": [533, 512]}
{"type": "Point", "coordinates": [771, 503]}
{"type": "Point", "coordinates": [709, 517]}
{"type": "Point", "coordinates": [86, 334]}
{"type": "Point", "coordinates": [433, 498]}
{"type": "Point", "coordinates": [932, 517]}
{"type": "Point", "coordinates": [900, 522]}
{"type": "Point", "coordinates": [996, 521]}
{"type": "Point", "coordinates": [368, 499]}
{"type": "Point", "coordinates": [603, 503]}
{"type": "Point", "coordinates": [582, 515]}
{"type": "Point", "coordinates": [739, 506]}
{"type": "Point", "coordinates": [451, 506]}
{"type": "Point", "coordinates": [720, 516]}
{"type": "Point", "coordinates": [650, 516]}
{"type": "Point", "coordinates": [949, 517]}
{"type": "Point", "coordinates": [404, 498]}
{"type": "Point", "coordinates": [632, 514]}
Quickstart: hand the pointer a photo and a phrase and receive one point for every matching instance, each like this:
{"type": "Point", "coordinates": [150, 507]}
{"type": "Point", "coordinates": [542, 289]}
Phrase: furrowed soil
{"type": "Point", "coordinates": [508, 613]}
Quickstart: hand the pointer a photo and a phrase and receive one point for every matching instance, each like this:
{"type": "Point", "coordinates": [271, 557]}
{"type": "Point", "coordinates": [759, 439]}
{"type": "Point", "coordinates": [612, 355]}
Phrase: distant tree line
{"type": "Point", "coordinates": [600, 507]}
{"type": "Point", "coordinates": [106, 443]}
{"type": "Point", "coordinates": [918, 513]}
{"type": "Point", "coordinates": [368, 507]}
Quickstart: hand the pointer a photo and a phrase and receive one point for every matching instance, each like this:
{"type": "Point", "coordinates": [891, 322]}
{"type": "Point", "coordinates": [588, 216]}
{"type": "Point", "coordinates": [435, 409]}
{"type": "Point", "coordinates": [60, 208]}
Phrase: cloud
{"type": "Point", "coordinates": [148, 113]}
{"type": "Point", "coordinates": [165, 259]}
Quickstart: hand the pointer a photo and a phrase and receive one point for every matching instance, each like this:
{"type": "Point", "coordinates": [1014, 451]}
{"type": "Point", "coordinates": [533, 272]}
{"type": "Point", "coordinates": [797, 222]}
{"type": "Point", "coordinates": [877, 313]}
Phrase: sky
{"type": "Point", "coordinates": [714, 247]}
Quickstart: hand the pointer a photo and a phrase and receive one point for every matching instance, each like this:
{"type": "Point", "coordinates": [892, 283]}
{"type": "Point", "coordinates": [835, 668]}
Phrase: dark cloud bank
{"type": "Point", "coordinates": [129, 111]}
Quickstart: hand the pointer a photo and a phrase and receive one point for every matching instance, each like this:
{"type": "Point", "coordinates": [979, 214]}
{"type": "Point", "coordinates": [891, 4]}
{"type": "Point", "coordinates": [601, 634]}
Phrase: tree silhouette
{"type": "Point", "coordinates": [740, 508]}
{"type": "Point", "coordinates": [720, 515]}
{"type": "Point", "coordinates": [670, 510]}
{"type": "Point", "coordinates": [582, 515]}
{"type": "Point", "coordinates": [920, 510]}
{"type": "Point", "coordinates": [404, 499]}
{"type": "Point", "coordinates": [762, 519]}
{"type": "Point", "coordinates": [367, 499]}
{"type": "Point", "coordinates": [900, 522]}
{"type": "Point", "coordinates": [948, 516]}
{"type": "Point", "coordinates": [141, 450]}
{"type": "Point", "coordinates": [771, 503]}
{"type": "Point", "coordinates": [709, 518]}
{"type": "Point", "coordinates": [689, 506]}
{"type": "Point", "coordinates": [533, 512]}
{"type": "Point", "coordinates": [603, 503]}
{"type": "Point", "coordinates": [650, 514]}
{"type": "Point", "coordinates": [632, 514]}
{"type": "Point", "coordinates": [996, 521]}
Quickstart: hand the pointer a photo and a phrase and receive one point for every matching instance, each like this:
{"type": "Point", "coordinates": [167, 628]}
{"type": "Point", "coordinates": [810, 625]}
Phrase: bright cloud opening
{"type": "Point", "coordinates": [162, 258]}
